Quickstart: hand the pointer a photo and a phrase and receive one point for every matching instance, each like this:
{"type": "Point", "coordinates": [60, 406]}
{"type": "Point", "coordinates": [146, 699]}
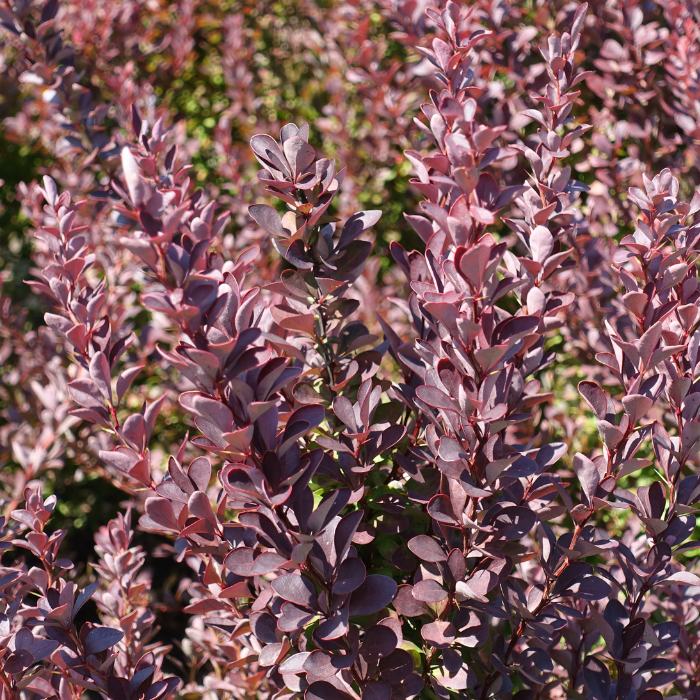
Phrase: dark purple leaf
{"type": "Point", "coordinates": [323, 690]}
{"type": "Point", "coordinates": [396, 666]}
{"type": "Point", "coordinates": [375, 593]}
{"type": "Point", "coordinates": [350, 575]}
{"type": "Point", "coordinates": [296, 589]}
{"type": "Point", "coordinates": [102, 638]}
{"type": "Point", "coordinates": [597, 678]}
{"type": "Point", "coordinates": [376, 690]}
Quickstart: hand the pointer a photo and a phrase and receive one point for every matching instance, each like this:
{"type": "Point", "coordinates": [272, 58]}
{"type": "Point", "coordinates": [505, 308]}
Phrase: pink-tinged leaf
{"type": "Point", "coordinates": [320, 664]}
{"type": "Point", "coordinates": [268, 562]}
{"type": "Point", "coordinates": [579, 19]}
{"type": "Point", "coordinates": [304, 323]}
{"type": "Point", "coordinates": [436, 398]}
{"type": "Point", "coordinates": [379, 641]}
{"type": "Point", "coordinates": [483, 216]}
{"type": "Point", "coordinates": [50, 190]}
{"type": "Point", "coordinates": [125, 379]}
{"type": "Point", "coordinates": [427, 549]}
{"type": "Point", "coordinates": [271, 654]}
{"type": "Point", "coordinates": [344, 532]}
{"type": "Point", "coordinates": [294, 664]}
{"type": "Point", "coordinates": [686, 578]}
{"type": "Point", "coordinates": [240, 561]}
{"type": "Point", "coordinates": [199, 472]}
{"type": "Point", "coordinates": [200, 507]}
{"type": "Point", "coordinates": [204, 606]}
{"type": "Point", "coordinates": [344, 410]}
{"type": "Point", "coordinates": [541, 243]}
{"type": "Point", "coordinates": [57, 323]}
{"type": "Point", "coordinates": [439, 634]}
{"type": "Point", "coordinates": [98, 416]}
{"type": "Point", "coordinates": [84, 596]}
{"type": "Point", "coordinates": [264, 626]}
{"type": "Point", "coordinates": [143, 249]}
{"type": "Point", "coordinates": [138, 189]}
{"type": "Point", "coordinates": [357, 224]}
{"type": "Point", "coordinates": [123, 459]}
{"type": "Point", "coordinates": [269, 153]}
{"type": "Point", "coordinates": [209, 409]}
{"type": "Point", "coordinates": [597, 678]}
{"type": "Point", "coordinates": [472, 263]}
{"type": "Point", "coordinates": [407, 605]}
{"type": "Point", "coordinates": [86, 393]}
{"type": "Point", "coordinates": [429, 591]}
{"type": "Point", "coordinates": [451, 450]}
{"type": "Point", "coordinates": [40, 686]}
{"type": "Point", "coordinates": [534, 114]}
{"type": "Point", "coordinates": [18, 661]}
{"type": "Point", "coordinates": [335, 626]}
{"type": "Point", "coordinates": [636, 406]}
{"type": "Point", "coordinates": [160, 515]}
{"type": "Point", "coordinates": [100, 373]}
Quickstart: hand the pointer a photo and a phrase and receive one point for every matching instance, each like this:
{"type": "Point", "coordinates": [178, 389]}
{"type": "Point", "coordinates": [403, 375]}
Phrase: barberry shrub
{"type": "Point", "coordinates": [352, 456]}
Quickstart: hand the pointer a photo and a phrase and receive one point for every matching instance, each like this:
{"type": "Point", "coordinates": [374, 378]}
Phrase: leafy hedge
{"type": "Point", "coordinates": [349, 350]}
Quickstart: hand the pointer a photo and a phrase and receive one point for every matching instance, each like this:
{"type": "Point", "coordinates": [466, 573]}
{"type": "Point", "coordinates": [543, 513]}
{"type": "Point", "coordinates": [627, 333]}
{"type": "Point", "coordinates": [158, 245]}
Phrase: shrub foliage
{"type": "Point", "coordinates": [411, 413]}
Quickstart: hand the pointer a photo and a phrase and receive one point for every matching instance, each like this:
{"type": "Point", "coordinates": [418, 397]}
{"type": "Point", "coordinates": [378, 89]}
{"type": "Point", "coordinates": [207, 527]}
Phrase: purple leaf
{"type": "Point", "coordinates": [379, 641]}
{"type": "Point", "coordinates": [407, 605]}
{"type": "Point", "coordinates": [356, 225]}
{"type": "Point", "coordinates": [436, 398]}
{"type": "Point", "coordinates": [599, 400]}
{"type": "Point", "coordinates": [138, 189]}
{"type": "Point", "coordinates": [376, 690]}
{"type": "Point", "coordinates": [267, 218]}
{"type": "Point", "coordinates": [587, 474]}
{"type": "Point", "coordinates": [294, 618]}
{"type": "Point", "coordinates": [102, 638]}
{"type": "Point", "coordinates": [440, 634]}
{"type": "Point", "coordinates": [100, 373]}
{"type": "Point", "coordinates": [429, 591]}
{"type": "Point", "coordinates": [295, 589]}
{"type": "Point", "coordinates": [351, 573]}
{"type": "Point", "coordinates": [396, 666]}
{"type": "Point", "coordinates": [319, 664]}
{"type": "Point", "coordinates": [323, 690]}
{"type": "Point", "coordinates": [18, 661]}
{"type": "Point", "coordinates": [427, 549]}
{"type": "Point", "coordinates": [541, 243]}
{"type": "Point", "coordinates": [86, 393]}
{"type": "Point", "coordinates": [440, 508]}
{"type": "Point", "coordinates": [597, 678]}
{"type": "Point", "coordinates": [375, 593]}
{"type": "Point", "coordinates": [299, 155]}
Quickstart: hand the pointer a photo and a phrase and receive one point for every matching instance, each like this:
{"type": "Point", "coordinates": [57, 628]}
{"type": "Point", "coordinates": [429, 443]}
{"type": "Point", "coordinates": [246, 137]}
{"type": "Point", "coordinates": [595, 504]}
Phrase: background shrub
{"type": "Point", "coordinates": [349, 350]}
